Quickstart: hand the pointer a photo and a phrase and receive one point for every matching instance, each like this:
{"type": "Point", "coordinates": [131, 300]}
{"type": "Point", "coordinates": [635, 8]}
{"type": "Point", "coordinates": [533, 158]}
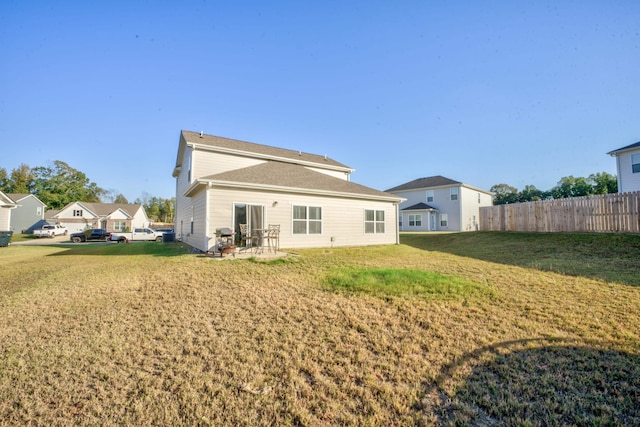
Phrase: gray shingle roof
{"type": "Point", "coordinates": [104, 209]}
{"type": "Point", "coordinates": [292, 176]}
{"type": "Point", "coordinates": [636, 145]}
{"type": "Point", "coordinates": [432, 181]}
{"type": "Point", "coordinates": [420, 207]}
{"type": "Point", "coordinates": [17, 196]}
{"type": "Point", "coordinates": [261, 150]}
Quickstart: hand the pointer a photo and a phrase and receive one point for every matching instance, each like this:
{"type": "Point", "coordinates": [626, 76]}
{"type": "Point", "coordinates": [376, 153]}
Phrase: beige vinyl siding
{"type": "Point", "coordinates": [183, 203]}
{"type": "Point", "coordinates": [197, 239]}
{"type": "Point", "coordinates": [5, 217]}
{"type": "Point", "coordinates": [342, 218]}
{"type": "Point", "coordinates": [205, 163]}
{"type": "Point", "coordinates": [333, 173]}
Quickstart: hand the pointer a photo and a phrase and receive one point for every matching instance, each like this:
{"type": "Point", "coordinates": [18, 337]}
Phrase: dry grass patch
{"type": "Point", "coordinates": [148, 334]}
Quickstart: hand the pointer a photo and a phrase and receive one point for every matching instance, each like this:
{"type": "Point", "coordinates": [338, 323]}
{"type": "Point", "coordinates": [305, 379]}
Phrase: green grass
{"type": "Point", "coordinates": [610, 257]}
{"type": "Point", "coordinates": [461, 329]}
{"type": "Point", "coordinates": [406, 283]}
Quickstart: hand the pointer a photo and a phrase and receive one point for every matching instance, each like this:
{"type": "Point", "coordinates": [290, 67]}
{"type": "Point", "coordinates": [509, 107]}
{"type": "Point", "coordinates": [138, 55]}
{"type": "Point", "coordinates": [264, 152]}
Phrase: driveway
{"type": "Point", "coordinates": [43, 241]}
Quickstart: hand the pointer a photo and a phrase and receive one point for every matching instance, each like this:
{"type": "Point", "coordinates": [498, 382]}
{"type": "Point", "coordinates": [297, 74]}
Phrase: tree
{"type": "Point", "coordinates": [4, 180]}
{"type": "Point", "coordinates": [603, 183]}
{"type": "Point", "coordinates": [530, 194]}
{"type": "Point", "coordinates": [21, 180]}
{"type": "Point", "coordinates": [504, 194]}
{"type": "Point", "coordinates": [570, 186]}
{"type": "Point", "coordinates": [120, 199]}
{"type": "Point", "coordinates": [60, 184]}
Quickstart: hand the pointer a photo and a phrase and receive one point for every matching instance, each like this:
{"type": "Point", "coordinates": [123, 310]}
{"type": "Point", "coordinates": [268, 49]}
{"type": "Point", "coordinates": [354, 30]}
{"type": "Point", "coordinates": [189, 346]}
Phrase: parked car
{"type": "Point", "coordinates": [51, 230]}
{"type": "Point", "coordinates": [88, 235]}
{"type": "Point", "coordinates": [138, 234]}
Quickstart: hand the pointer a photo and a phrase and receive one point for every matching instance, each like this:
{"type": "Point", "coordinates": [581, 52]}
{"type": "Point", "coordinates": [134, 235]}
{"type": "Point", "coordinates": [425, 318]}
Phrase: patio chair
{"type": "Point", "coordinates": [245, 237]}
{"type": "Point", "coordinates": [273, 237]}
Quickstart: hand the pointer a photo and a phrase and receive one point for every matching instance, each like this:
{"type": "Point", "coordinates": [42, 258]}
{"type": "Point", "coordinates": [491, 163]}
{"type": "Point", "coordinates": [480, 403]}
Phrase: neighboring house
{"type": "Point", "coordinates": [29, 213]}
{"type": "Point", "coordinates": [628, 167]}
{"type": "Point", "coordinates": [437, 203]}
{"type": "Point", "coordinates": [222, 183]}
{"type": "Point", "coordinates": [80, 216]}
{"type": "Point", "coordinates": [6, 206]}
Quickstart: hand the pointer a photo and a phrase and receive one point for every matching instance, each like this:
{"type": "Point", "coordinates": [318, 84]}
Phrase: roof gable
{"type": "Point", "coordinates": [628, 147]}
{"type": "Point", "coordinates": [288, 176]}
{"type": "Point", "coordinates": [428, 182]}
{"type": "Point", "coordinates": [6, 200]}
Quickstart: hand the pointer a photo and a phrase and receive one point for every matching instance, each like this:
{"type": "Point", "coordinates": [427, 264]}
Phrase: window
{"type": "Point", "coordinates": [444, 220]}
{"type": "Point", "coordinates": [39, 210]}
{"type": "Point", "coordinates": [400, 221]}
{"type": "Point", "coordinates": [373, 221]}
{"type": "Point", "coordinates": [189, 167]}
{"type": "Point", "coordinates": [119, 226]}
{"type": "Point", "coordinates": [77, 212]}
{"type": "Point", "coordinates": [415, 220]}
{"type": "Point", "coordinates": [635, 163]}
{"type": "Point", "coordinates": [307, 220]}
{"type": "Point", "coordinates": [429, 196]}
{"type": "Point", "coordinates": [478, 197]}
{"type": "Point", "coordinates": [454, 193]}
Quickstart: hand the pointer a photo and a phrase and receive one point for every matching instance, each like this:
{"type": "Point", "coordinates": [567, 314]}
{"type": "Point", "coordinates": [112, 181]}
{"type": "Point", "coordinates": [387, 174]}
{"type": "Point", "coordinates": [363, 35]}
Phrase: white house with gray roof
{"type": "Point", "coordinates": [437, 203]}
{"type": "Point", "coordinates": [222, 183]}
{"type": "Point", "coordinates": [80, 216]}
{"type": "Point", "coordinates": [628, 167]}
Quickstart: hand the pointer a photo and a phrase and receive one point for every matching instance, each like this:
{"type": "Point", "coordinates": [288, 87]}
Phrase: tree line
{"type": "Point", "coordinates": [568, 186]}
{"type": "Point", "coordinates": [59, 184]}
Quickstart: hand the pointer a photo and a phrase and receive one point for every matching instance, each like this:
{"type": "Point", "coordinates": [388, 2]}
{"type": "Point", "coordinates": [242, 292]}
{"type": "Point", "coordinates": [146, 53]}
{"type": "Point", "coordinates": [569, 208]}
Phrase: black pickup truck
{"type": "Point", "coordinates": [87, 235]}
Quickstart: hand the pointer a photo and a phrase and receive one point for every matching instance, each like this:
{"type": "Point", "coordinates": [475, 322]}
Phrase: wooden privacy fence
{"type": "Point", "coordinates": [606, 213]}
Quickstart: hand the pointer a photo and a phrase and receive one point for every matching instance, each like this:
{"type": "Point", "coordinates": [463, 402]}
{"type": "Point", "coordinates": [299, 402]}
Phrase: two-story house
{"type": "Point", "coordinates": [437, 203]}
{"type": "Point", "coordinates": [28, 214]}
{"type": "Point", "coordinates": [628, 167]}
{"type": "Point", "coordinates": [222, 183]}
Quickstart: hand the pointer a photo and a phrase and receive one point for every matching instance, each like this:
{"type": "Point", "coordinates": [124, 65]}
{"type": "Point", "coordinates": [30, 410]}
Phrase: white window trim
{"type": "Point", "coordinates": [375, 222]}
{"type": "Point", "coordinates": [454, 191]}
{"type": "Point", "coordinates": [635, 161]}
{"type": "Point", "coordinates": [432, 194]}
{"type": "Point", "coordinates": [417, 218]}
{"type": "Point", "coordinates": [307, 220]}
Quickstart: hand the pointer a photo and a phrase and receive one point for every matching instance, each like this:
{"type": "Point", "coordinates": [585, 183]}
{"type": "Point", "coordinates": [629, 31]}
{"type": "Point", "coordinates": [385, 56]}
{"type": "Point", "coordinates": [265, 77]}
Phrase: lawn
{"type": "Point", "coordinates": [460, 329]}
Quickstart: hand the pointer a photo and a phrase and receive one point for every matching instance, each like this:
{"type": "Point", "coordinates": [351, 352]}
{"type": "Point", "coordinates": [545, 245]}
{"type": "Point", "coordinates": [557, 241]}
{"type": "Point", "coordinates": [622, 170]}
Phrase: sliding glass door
{"type": "Point", "coordinates": [252, 215]}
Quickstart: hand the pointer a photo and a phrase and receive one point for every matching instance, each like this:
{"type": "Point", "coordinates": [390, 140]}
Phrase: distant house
{"type": "Point", "coordinates": [6, 206]}
{"type": "Point", "coordinates": [437, 203]}
{"type": "Point", "coordinates": [223, 183]}
{"type": "Point", "coordinates": [628, 167]}
{"type": "Point", "coordinates": [28, 214]}
{"type": "Point", "coordinates": [80, 216]}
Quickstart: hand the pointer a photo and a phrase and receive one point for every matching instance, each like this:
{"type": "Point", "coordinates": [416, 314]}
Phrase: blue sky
{"type": "Point", "coordinates": [483, 92]}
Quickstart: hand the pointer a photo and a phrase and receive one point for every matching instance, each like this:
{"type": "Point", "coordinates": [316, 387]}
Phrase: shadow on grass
{"type": "Point", "coordinates": [610, 257]}
{"type": "Point", "coordinates": [115, 249]}
{"type": "Point", "coordinates": [539, 382]}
